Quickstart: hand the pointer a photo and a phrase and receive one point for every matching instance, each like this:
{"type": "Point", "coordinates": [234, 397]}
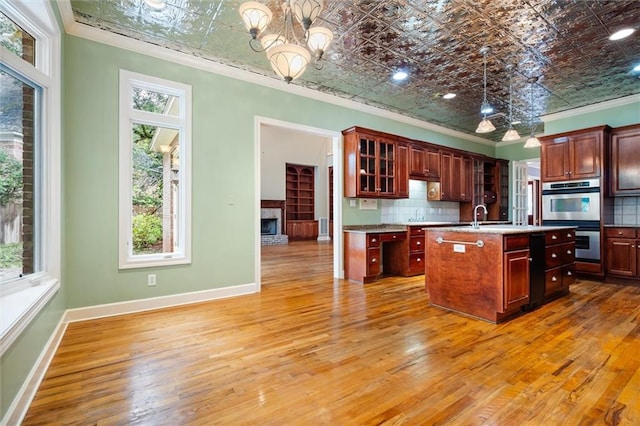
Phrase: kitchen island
{"type": "Point", "coordinates": [497, 272]}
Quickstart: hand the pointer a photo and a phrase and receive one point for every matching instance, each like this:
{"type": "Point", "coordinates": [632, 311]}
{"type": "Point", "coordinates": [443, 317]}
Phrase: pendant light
{"type": "Point", "coordinates": [485, 125]}
{"type": "Point", "coordinates": [532, 142]}
{"type": "Point", "coordinates": [512, 134]}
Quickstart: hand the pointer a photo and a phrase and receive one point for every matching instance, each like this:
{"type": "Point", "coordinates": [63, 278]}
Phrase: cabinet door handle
{"type": "Point", "coordinates": [554, 237]}
{"type": "Point", "coordinates": [569, 235]}
{"type": "Point", "coordinates": [374, 260]}
{"type": "Point", "coordinates": [394, 237]}
{"type": "Point", "coordinates": [373, 240]}
{"type": "Point", "coordinates": [554, 279]}
{"type": "Point", "coordinates": [569, 252]}
{"type": "Point", "coordinates": [419, 260]}
{"type": "Point", "coordinates": [553, 255]}
{"type": "Point", "coordinates": [418, 243]}
{"type": "Point", "coordinates": [569, 273]}
{"type": "Point", "coordinates": [619, 232]}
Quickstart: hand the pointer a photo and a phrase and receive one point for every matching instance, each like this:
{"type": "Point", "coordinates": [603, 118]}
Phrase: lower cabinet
{"type": "Point", "coordinates": [302, 229]}
{"type": "Point", "coordinates": [516, 278]}
{"type": "Point", "coordinates": [364, 253]}
{"type": "Point", "coordinates": [623, 252]}
{"type": "Point", "coordinates": [560, 267]}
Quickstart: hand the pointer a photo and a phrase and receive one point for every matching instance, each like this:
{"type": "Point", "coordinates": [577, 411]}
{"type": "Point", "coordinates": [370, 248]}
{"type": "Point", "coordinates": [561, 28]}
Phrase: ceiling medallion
{"type": "Point", "coordinates": [288, 54]}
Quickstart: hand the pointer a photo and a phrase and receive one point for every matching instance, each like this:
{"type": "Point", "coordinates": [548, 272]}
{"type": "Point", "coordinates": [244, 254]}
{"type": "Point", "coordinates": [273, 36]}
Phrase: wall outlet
{"type": "Point", "coordinates": [151, 280]}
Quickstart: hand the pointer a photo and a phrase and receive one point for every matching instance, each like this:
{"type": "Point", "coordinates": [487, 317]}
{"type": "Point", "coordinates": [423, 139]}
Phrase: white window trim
{"type": "Point", "coordinates": [182, 122]}
{"type": "Point", "coordinates": [21, 300]}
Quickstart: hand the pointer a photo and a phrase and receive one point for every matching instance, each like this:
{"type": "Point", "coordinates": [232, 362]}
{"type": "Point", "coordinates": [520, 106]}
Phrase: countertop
{"type": "Point", "coordinates": [501, 229]}
{"type": "Point", "coordinates": [402, 226]}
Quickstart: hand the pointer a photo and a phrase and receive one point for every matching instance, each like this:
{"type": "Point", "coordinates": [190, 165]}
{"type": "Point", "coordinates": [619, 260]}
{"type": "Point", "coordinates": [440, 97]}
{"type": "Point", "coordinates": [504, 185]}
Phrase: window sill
{"type": "Point", "coordinates": [20, 304]}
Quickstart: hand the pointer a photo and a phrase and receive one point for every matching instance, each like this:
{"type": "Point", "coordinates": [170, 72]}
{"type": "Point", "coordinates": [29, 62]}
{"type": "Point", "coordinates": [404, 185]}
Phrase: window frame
{"type": "Point", "coordinates": [23, 298]}
{"type": "Point", "coordinates": [182, 122]}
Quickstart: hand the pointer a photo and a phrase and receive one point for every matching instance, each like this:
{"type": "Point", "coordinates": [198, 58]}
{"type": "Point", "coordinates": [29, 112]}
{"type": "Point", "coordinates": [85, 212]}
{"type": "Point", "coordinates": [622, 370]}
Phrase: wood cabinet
{"type": "Point", "coordinates": [406, 258]}
{"type": "Point", "coordinates": [402, 171]}
{"type": "Point", "coordinates": [490, 187]}
{"type": "Point", "coordinates": [363, 253]}
{"type": "Point", "coordinates": [560, 267]}
{"type": "Point", "coordinates": [624, 172]}
{"type": "Point", "coordinates": [300, 192]}
{"type": "Point", "coordinates": [623, 252]}
{"type": "Point", "coordinates": [516, 272]}
{"type": "Point", "coordinates": [456, 176]}
{"type": "Point", "coordinates": [424, 162]}
{"type": "Point", "coordinates": [302, 230]}
{"type": "Point", "coordinates": [573, 155]}
{"type": "Point", "coordinates": [371, 165]}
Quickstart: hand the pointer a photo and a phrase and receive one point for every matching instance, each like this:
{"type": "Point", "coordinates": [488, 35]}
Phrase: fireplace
{"type": "Point", "coordinates": [272, 222]}
{"type": "Point", "coordinates": [269, 226]}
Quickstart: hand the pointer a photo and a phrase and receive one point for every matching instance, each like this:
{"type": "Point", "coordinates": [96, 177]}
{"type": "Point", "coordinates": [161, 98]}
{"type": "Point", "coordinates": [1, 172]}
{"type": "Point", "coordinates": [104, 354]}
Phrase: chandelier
{"type": "Point", "coordinates": [288, 54]}
{"type": "Point", "coordinates": [512, 134]}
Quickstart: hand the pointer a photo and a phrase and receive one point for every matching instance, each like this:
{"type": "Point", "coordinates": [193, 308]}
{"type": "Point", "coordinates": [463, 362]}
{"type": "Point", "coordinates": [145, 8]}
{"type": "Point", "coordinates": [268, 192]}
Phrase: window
{"type": "Point", "coordinates": [29, 163]}
{"type": "Point", "coordinates": [155, 187]}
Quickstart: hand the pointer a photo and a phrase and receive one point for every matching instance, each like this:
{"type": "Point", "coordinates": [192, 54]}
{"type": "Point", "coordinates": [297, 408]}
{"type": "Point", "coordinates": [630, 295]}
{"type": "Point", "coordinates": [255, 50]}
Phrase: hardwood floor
{"type": "Point", "coordinates": [313, 350]}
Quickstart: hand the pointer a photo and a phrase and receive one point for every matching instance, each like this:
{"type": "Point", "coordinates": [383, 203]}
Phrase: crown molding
{"type": "Point", "coordinates": [122, 42]}
{"type": "Point", "coordinates": [627, 100]}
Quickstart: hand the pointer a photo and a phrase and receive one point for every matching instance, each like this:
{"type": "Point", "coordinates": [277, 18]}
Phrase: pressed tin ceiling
{"type": "Point", "coordinates": [561, 42]}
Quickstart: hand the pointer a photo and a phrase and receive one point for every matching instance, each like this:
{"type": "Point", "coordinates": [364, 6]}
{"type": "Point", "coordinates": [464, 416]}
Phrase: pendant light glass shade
{"type": "Point", "coordinates": [288, 60]}
{"type": "Point", "coordinates": [532, 142]}
{"type": "Point", "coordinates": [306, 11]}
{"type": "Point", "coordinates": [511, 135]}
{"type": "Point", "coordinates": [485, 126]}
{"type": "Point", "coordinates": [256, 17]}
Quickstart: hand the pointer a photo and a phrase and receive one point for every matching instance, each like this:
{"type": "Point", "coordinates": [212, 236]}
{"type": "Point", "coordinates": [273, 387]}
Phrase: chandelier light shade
{"type": "Point", "coordinates": [485, 125]}
{"type": "Point", "coordinates": [288, 53]}
{"type": "Point", "coordinates": [532, 142]}
{"type": "Point", "coordinates": [319, 40]}
{"type": "Point", "coordinates": [256, 17]}
{"type": "Point", "coordinates": [288, 60]}
{"type": "Point", "coordinates": [306, 11]}
{"type": "Point", "coordinates": [512, 134]}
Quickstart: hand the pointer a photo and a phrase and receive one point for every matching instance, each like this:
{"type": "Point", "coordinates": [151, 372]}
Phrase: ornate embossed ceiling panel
{"type": "Point", "coordinates": [563, 42]}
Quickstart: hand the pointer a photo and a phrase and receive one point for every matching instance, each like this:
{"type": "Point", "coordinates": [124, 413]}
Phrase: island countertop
{"type": "Point", "coordinates": [502, 229]}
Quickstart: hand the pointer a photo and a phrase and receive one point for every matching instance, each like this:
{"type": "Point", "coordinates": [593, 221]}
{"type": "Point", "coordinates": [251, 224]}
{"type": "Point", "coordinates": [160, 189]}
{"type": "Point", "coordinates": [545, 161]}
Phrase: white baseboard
{"type": "Point", "coordinates": [20, 405]}
{"type": "Point", "coordinates": [132, 306]}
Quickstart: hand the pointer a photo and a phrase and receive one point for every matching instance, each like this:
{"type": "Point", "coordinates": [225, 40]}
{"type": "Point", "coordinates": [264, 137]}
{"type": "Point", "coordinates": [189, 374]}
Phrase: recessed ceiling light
{"type": "Point", "coordinates": [449, 96]}
{"type": "Point", "coordinates": [155, 4]}
{"type": "Point", "coordinates": [400, 75]}
{"type": "Point", "coordinates": [620, 34]}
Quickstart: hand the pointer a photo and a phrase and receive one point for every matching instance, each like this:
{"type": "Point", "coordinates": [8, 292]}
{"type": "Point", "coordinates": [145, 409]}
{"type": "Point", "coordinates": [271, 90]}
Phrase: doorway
{"type": "Point", "coordinates": [299, 144]}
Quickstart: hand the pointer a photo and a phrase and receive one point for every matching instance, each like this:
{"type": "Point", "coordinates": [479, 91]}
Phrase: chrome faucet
{"type": "Point", "coordinates": [475, 215]}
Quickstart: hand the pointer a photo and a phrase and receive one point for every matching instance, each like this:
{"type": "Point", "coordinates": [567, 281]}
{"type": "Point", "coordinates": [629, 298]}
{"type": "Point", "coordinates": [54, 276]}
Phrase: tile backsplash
{"type": "Point", "coordinates": [626, 211]}
{"type": "Point", "coordinates": [417, 209]}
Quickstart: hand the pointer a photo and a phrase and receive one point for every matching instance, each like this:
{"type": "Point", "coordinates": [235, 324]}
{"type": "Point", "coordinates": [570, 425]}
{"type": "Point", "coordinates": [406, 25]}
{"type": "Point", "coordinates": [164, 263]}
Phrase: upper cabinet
{"type": "Point", "coordinates": [624, 173]}
{"type": "Point", "coordinates": [455, 177]}
{"type": "Point", "coordinates": [424, 162]}
{"type": "Point", "coordinates": [573, 155]}
{"type": "Point", "coordinates": [371, 165]}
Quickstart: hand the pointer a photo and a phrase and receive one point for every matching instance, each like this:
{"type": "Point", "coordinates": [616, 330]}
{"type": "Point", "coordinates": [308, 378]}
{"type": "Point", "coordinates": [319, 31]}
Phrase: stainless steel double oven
{"type": "Point", "coordinates": [575, 203]}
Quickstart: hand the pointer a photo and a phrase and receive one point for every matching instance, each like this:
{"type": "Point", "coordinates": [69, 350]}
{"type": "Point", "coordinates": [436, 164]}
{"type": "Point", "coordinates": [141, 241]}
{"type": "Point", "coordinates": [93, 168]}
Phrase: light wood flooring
{"type": "Point", "coordinates": [311, 350]}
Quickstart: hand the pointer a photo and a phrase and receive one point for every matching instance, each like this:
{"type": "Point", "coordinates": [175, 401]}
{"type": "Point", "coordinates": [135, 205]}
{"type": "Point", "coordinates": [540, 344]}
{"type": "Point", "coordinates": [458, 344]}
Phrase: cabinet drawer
{"type": "Point", "coordinates": [620, 232]}
{"type": "Point", "coordinates": [416, 230]}
{"type": "Point", "coordinates": [568, 275]}
{"type": "Point", "coordinates": [554, 256]}
{"type": "Point", "coordinates": [373, 266]}
{"type": "Point", "coordinates": [552, 281]}
{"type": "Point", "coordinates": [568, 251]}
{"type": "Point", "coordinates": [416, 244]}
{"type": "Point", "coordinates": [393, 236]}
{"type": "Point", "coordinates": [556, 237]}
{"type": "Point", "coordinates": [516, 242]}
{"type": "Point", "coordinates": [416, 262]}
{"type": "Point", "coordinates": [373, 240]}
